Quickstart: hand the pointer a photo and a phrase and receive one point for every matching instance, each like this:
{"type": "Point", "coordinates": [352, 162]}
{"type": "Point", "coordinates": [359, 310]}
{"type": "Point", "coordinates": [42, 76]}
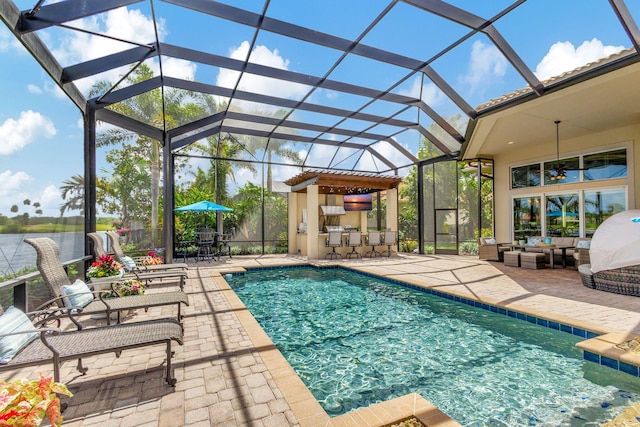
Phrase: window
{"type": "Point", "coordinates": [607, 165]}
{"type": "Point", "coordinates": [525, 176]}
{"type": "Point", "coordinates": [600, 205]}
{"type": "Point", "coordinates": [562, 215]}
{"type": "Point", "coordinates": [571, 167]}
{"type": "Point", "coordinates": [611, 164]}
{"type": "Point", "coordinates": [526, 217]}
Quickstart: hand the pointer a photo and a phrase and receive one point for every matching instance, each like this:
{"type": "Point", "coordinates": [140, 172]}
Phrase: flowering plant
{"type": "Point", "coordinates": [105, 266]}
{"type": "Point", "coordinates": [127, 287]}
{"type": "Point", "coordinates": [151, 259]}
{"type": "Point", "coordinates": [25, 403]}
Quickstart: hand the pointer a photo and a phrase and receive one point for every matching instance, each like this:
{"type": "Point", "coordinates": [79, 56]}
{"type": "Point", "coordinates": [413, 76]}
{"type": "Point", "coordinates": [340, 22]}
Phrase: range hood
{"type": "Point", "coordinates": [332, 210]}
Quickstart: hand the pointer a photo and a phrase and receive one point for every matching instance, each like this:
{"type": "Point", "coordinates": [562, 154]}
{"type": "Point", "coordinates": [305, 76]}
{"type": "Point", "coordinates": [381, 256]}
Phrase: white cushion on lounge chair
{"type": "Point", "coordinates": [490, 241]}
{"type": "Point", "coordinates": [128, 262]}
{"type": "Point", "coordinates": [77, 294]}
{"type": "Point", "coordinates": [14, 320]}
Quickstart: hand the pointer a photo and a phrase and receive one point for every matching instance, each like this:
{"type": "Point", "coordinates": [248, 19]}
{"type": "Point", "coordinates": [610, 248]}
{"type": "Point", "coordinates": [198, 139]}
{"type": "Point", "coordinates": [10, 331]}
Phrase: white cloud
{"type": "Point", "coordinates": [121, 23]}
{"type": "Point", "coordinates": [485, 64]}
{"type": "Point", "coordinates": [430, 92]}
{"type": "Point", "coordinates": [12, 183]}
{"type": "Point", "coordinates": [9, 42]}
{"type": "Point", "coordinates": [252, 83]}
{"type": "Point", "coordinates": [34, 89]}
{"type": "Point", "coordinates": [16, 134]}
{"type": "Point", "coordinates": [50, 200]}
{"type": "Point", "coordinates": [563, 57]}
{"type": "Point", "coordinates": [388, 152]}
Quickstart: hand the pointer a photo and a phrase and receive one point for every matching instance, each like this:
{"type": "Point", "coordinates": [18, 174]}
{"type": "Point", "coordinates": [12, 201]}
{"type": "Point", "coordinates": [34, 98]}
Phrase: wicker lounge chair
{"type": "Point", "coordinates": [48, 263]}
{"type": "Point", "coordinates": [141, 272]}
{"type": "Point", "coordinates": [51, 345]}
{"type": "Point", "coordinates": [114, 238]}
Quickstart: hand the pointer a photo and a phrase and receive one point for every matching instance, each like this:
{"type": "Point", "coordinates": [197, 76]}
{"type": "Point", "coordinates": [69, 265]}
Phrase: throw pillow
{"type": "Point", "coordinates": [77, 294]}
{"type": "Point", "coordinates": [533, 241]}
{"type": "Point", "coordinates": [585, 244]}
{"type": "Point", "coordinates": [490, 241]}
{"type": "Point", "coordinates": [128, 262]}
{"type": "Point", "coordinates": [14, 320]}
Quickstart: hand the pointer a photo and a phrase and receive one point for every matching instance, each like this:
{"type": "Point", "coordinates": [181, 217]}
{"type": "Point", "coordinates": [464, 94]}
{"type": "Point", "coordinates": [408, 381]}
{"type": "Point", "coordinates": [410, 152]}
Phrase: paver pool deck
{"type": "Point", "coordinates": [230, 373]}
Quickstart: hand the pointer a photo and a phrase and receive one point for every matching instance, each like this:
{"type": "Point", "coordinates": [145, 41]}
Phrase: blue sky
{"type": "Point", "coordinates": [41, 134]}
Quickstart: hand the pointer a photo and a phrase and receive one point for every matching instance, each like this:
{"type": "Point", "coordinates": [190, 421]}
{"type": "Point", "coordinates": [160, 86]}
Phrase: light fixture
{"type": "Point", "coordinates": [558, 171]}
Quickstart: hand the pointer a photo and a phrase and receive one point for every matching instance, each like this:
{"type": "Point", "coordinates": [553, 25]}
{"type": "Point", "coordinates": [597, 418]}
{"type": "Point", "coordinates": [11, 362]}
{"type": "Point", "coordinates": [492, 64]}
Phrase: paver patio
{"type": "Point", "coordinates": [230, 374]}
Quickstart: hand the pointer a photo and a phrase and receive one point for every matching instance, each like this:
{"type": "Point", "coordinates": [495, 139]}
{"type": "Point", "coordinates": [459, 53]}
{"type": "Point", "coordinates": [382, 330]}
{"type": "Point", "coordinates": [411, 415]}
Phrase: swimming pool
{"type": "Point", "coordinates": [356, 340]}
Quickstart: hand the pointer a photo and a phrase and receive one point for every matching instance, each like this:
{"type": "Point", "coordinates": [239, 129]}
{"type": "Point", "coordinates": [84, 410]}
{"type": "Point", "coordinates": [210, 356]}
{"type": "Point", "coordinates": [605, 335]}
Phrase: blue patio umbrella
{"type": "Point", "coordinates": [204, 206]}
{"type": "Point", "coordinates": [559, 213]}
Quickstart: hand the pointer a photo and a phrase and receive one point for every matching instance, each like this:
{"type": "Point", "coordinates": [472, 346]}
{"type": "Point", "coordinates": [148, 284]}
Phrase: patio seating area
{"type": "Point", "coordinates": [229, 373]}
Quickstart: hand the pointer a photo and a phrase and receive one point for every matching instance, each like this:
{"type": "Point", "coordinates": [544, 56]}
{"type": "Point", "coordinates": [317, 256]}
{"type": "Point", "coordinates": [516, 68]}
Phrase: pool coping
{"type": "Point", "coordinates": [599, 346]}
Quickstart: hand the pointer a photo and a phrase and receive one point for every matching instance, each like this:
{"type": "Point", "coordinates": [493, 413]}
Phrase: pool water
{"type": "Point", "coordinates": [356, 340]}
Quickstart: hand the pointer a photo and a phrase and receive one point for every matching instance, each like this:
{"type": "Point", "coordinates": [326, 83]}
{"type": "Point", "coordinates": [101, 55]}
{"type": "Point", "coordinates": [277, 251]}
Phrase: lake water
{"type": "Point", "coordinates": [15, 254]}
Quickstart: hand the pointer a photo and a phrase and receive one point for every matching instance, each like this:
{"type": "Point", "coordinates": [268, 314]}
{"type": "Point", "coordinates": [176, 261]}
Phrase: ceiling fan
{"type": "Point", "coordinates": [558, 171]}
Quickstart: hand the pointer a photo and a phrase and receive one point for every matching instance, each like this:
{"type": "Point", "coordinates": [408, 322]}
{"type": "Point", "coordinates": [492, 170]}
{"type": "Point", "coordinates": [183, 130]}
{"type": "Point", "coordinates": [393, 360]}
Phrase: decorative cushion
{"type": "Point", "coordinates": [14, 320]}
{"type": "Point", "coordinates": [490, 241]}
{"type": "Point", "coordinates": [583, 244]}
{"type": "Point", "coordinates": [128, 262]}
{"type": "Point", "coordinates": [533, 241]}
{"type": "Point", "coordinates": [77, 294]}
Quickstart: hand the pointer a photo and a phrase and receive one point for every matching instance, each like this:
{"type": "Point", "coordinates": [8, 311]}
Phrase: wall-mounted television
{"type": "Point", "coordinates": [358, 202]}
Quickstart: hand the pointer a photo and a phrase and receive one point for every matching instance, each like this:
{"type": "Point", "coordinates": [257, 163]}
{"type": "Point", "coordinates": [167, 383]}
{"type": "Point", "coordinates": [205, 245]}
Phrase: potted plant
{"type": "Point", "coordinates": [105, 269]}
{"type": "Point", "coordinates": [25, 403]}
{"type": "Point", "coordinates": [126, 288]}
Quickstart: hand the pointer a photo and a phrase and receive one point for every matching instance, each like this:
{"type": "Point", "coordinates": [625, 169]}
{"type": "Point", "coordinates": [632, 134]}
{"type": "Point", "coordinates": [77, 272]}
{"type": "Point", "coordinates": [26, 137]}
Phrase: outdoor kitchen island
{"type": "Point", "coordinates": [317, 206]}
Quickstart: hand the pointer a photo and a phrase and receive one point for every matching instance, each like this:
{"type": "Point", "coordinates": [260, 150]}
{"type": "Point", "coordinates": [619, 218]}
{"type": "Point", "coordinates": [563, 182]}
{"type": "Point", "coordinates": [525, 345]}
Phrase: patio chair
{"type": "Point", "coordinates": [224, 246]}
{"type": "Point", "coordinates": [140, 272]}
{"type": "Point", "coordinates": [206, 240]}
{"type": "Point", "coordinates": [490, 250]}
{"type": "Point", "coordinates": [29, 343]}
{"type": "Point", "coordinates": [334, 241]}
{"type": "Point", "coordinates": [354, 240]}
{"type": "Point", "coordinates": [390, 239]}
{"type": "Point", "coordinates": [114, 238]}
{"type": "Point", "coordinates": [374, 239]}
{"type": "Point", "coordinates": [54, 276]}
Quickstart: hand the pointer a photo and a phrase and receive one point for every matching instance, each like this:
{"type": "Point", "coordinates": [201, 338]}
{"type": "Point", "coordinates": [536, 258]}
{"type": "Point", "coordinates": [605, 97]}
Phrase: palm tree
{"type": "Point", "coordinates": [149, 108]}
{"type": "Point", "coordinates": [73, 194]}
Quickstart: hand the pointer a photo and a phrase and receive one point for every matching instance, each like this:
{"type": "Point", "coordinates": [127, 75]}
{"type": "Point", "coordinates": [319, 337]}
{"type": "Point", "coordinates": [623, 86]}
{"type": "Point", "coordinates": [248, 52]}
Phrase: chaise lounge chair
{"type": "Point", "coordinates": [141, 272]}
{"type": "Point", "coordinates": [50, 267]}
{"type": "Point", "coordinates": [23, 343]}
{"type": "Point", "coordinates": [114, 238]}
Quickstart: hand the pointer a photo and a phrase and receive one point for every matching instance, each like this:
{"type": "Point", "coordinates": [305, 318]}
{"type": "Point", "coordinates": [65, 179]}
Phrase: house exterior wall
{"type": "Point", "coordinates": [624, 137]}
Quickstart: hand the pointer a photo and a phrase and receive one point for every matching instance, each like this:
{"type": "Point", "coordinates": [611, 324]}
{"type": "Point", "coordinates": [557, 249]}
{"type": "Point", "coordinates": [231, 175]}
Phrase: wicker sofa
{"type": "Point", "coordinates": [575, 255]}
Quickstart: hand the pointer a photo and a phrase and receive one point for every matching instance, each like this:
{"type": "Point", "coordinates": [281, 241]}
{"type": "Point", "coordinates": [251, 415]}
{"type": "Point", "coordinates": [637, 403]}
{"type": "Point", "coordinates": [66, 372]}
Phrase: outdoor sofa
{"type": "Point", "coordinates": [577, 254]}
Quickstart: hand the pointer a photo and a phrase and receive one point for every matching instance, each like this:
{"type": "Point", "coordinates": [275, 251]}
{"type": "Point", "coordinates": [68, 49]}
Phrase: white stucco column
{"type": "Point", "coordinates": [292, 208]}
{"type": "Point", "coordinates": [313, 228]}
{"type": "Point", "coordinates": [392, 209]}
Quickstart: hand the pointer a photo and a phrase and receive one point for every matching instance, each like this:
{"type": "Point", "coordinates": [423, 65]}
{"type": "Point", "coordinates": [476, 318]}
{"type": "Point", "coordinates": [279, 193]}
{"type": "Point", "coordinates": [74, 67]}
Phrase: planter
{"type": "Point", "coordinates": [102, 283]}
